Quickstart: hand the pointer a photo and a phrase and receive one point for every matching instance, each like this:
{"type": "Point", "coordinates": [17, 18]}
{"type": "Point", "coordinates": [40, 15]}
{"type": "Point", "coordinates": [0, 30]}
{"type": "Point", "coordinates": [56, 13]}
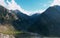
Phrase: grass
{"type": "Point", "coordinates": [11, 32]}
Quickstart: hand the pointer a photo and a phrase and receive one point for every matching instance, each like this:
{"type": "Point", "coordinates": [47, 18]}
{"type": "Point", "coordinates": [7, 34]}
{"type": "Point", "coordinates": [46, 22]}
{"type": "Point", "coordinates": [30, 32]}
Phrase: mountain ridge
{"type": "Point", "coordinates": [45, 24]}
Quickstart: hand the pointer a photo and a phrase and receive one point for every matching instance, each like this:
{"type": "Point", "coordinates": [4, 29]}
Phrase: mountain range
{"type": "Point", "coordinates": [45, 24]}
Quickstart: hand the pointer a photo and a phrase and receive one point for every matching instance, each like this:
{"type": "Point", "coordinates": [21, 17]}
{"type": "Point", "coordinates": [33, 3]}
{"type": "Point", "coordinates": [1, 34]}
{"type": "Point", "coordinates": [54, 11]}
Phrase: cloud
{"type": "Point", "coordinates": [55, 2]}
{"type": "Point", "coordinates": [2, 2]}
{"type": "Point", "coordinates": [38, 11]}
{"type": "Point", "coordinates": [12, 5]}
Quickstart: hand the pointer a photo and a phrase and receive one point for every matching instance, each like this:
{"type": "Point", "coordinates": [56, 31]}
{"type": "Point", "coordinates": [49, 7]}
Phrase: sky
{"type": "Point", "coordinates": [34, 5]}
{"type": "Point", "coordinates": [29, 6]}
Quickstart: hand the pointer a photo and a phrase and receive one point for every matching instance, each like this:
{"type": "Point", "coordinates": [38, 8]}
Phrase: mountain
{"type": "Point", "coordinates": [51, 18]}
{"type": "Point", "coordinates": [23, 22]}
{"type": "Point", "coordinates": [14, 24]}
{"type": "Point", "coordinates": [6, 19]}
{"type": "Point", "coordinates": [34, 18]}
{"type": "Point", "coordinates": [45, 24]}
{"type": "Point", "coordinates": [57, 7]}
{"type": "Point", "coordinates": [17, 19]}
{"type": "Point", "coordinates": [48, 23]}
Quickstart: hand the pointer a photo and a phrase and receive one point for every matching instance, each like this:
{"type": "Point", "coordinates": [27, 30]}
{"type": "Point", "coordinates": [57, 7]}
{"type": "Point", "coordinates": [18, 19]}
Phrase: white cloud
{"type": "Point", "coordinates": [55, 2]}
{"type": "Point", "coordinates": [41, 11]}
{"type": "Point", "coordinates": [38, 11]}
{"type": "Point", "coordinates": [13, 6]}
{"type": "Point", "coordinates": [2, 3]}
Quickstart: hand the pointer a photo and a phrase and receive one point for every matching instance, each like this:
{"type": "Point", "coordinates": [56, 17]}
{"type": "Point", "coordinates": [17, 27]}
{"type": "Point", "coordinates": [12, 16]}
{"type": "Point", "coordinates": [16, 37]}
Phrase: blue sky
{"type": "Point", "coordinates": [34, 5]}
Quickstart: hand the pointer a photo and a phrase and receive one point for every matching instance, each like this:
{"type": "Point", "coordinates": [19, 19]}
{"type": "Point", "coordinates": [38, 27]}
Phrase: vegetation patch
{"type": "Point", "coordinates": [8, 29]}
